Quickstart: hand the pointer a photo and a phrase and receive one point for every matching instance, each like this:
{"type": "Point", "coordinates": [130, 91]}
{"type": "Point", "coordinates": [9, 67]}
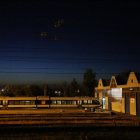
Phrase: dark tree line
{"type": "Point", "coordinates": [86, 89]}
{"type": "Point", "coordinates": [17, 91]}
{"type": "Point", "coordinates": [73, 89]}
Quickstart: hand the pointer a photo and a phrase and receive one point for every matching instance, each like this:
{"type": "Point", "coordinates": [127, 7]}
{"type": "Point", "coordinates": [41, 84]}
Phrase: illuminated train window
{"type": "Point", "coordinates": [21, 102]}
{"type": "Point", "coordinates": [5, 102]}
{"type": "Point", "coordinates": [11, 103]}
{"type": "Point", "coordinates": [32, 102]}
{"type": "Point", "coordinates": [43, 102]}
{"type": "Point", "coordinates": [27, 102]}
{"type": "Point", "coordinates": [17, 102]}
{"type": "Point", "coordinates": [84, 101]}
{"type": "Point", "coordinates": [68, 102]}
{"type": "Point", "coordinates": [89, 101]}
{"type": "Point", "coordinates": [53, 102]}
{"type": "Point", "coordinates": [63, 102]}
{"type": "Point", "coordinates": [58, 102]}
{"type": "Point", "coordinates": [73, 102]}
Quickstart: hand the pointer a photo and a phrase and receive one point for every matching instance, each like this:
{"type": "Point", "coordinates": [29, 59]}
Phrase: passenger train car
{"type": "Point", "coordinates": [48, 102]}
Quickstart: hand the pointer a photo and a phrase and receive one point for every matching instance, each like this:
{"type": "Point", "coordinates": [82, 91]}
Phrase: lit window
{"type": "Point", "coordinates": [43, 102]}
{"type": "Point", "coordinates": [54, 102]}
{"type": "Point", "coordinates": [11, 102]}
{"type": "Point", "coordinates": [32, 102]}
{"type": "Point", "coordinates": [89, 101]}
{"type": "Point", "coordinates": [73, 102]}
{"type": "Point", "coordinates": [63, 102]}
{"type": "Point", "coordinates": [27, 102]}
{"type": "Point", "coordinates": [21, 102]}
{"type": "Point", "coordinates": [69, 102]}
{"type": "Point", "coordinates": [58, 102]}
{"type": "Point", "coordinates": [85, 101]}
{"type": "Point", "coordinates": [16, 102]}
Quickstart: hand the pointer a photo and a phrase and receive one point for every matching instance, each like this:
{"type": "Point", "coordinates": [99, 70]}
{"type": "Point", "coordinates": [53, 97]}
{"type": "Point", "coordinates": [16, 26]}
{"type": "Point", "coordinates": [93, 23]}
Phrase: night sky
{"type": "Point", "coordinates": [103, 36]}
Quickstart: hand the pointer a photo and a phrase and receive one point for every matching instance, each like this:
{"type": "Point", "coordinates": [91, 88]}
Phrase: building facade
{"type": "Point", "coordinates": [120, 94]}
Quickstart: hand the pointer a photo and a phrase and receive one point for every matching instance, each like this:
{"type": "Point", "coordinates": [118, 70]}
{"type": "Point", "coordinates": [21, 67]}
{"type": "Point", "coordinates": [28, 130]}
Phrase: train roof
{"type": "Point", "coordinates": [73, 98]}
{"type": "Point", "coordinates": [48, 98]}
{"type": "Point", "coordinates": [17, 98]}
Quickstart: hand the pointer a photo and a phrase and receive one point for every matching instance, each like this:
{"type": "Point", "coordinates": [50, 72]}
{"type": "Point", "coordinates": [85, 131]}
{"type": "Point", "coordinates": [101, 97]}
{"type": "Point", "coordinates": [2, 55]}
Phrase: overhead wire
{"type": "Point", "coordinates": [36, 50]}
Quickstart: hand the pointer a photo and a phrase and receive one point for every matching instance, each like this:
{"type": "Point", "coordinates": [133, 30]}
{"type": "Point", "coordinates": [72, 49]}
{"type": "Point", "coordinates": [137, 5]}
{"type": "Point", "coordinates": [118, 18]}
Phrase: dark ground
{"type": "Point", "coordinates": [69, 133]}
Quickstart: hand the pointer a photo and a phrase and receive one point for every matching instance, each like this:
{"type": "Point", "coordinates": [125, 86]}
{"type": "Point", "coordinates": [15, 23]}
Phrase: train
{"type": "Point", "coordinates": [49, 102]}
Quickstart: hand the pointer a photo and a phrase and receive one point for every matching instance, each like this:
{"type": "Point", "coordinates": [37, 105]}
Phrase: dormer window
{"type": "Point", "coordinates": [131, 80]}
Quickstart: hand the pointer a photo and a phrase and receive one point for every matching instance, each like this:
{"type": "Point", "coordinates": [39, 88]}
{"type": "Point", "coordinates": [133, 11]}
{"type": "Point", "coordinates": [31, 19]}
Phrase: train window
{"type": "Point", "coordinates": [27, 102]}
{"type": "Point", "coordinates": [43, 102]}
{"type": "Point", "coordinates": [79, 102]}
{"type": "Point", "coordinates": [21, 102]}
{"type": "Point", "coordinates": [84, 101]}
{"type": "Point", "coordinates": [16, 102]}
{"type": "Point", "coordinates": [68, 102]}
{"type": "Point", "coordinates": [63, 102]}
{"type": "Point", "coordinates": [58, 102]}
{"type": "Point", "coordinates": [11, 103]}
{"type": "Point", "coordinates": [89, 101]}
{"type": "Point", "coordinates": [38, 102]}
{"type": "Point", "coordinates": [0, 102]}
{"type": "Point", "coordinates": [53, 102]}
{"type": "Point", "coordinates": [47, 102]}
{"type": "Point", "coordinates": [5, 102]}
{"type": "Point", "coordinates": [32, 102]}
{"type": "Point", "coordinates": [95, 102]}
{"type": "Point", "coordinates": [73, 102]}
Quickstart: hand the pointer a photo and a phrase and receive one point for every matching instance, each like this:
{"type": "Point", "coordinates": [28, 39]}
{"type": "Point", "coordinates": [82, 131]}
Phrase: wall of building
{"type": "Point", "coordinates": [119, 107]}
{"type": "Point", "coordinates": [106, 102]}
{"type": "Point", "coordinates": [123, 105]}
{"type": "Point", "coordinates": [100, 97]}
{"type": "Point", "coordinates": [133, 106]}
{"type": "Point", "coordinates": [116, 106]}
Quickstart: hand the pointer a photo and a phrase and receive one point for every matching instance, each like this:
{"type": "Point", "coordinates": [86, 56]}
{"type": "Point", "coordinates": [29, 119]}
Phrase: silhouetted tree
{"type": "Point", "coordinates": [12, 91]}
{"type": "Point", "coordinates": [123, 77]}
{"type": "Point", "coordinates": [124, 74]}
{"type": "Point", "coordinates": [89, 83]}
{"type": "Point", "coordinates": [74, 88]}
{"type": "Point", "coordinates": [33, 90]}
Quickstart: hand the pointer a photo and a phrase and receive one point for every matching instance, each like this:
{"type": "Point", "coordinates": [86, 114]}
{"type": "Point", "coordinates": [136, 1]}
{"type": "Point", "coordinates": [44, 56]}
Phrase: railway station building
{"type": "Point", "coordinates": [120, 94]}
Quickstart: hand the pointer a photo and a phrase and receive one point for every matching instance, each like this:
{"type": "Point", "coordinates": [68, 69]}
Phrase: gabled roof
{"type": "Point", "coordinates": [120, 81]}
{"type": "Point", "coordinates": [113, 82]}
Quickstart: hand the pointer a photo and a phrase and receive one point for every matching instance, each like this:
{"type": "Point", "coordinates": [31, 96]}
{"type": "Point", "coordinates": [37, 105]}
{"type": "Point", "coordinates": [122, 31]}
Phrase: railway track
{"type": "Point", "coordinates": [49, 120]}
{"type": "Point", "coordinates": [68, 126]}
